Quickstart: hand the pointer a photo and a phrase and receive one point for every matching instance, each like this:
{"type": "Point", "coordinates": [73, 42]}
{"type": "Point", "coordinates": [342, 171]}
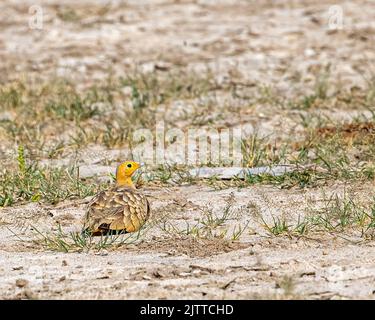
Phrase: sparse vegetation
{"type": "Point", "coordinates": [62, 241]}
{"type": "Point", "coordinates": [210, 225]}
{"type": "Point", "coordinates": [34, 183]}
{"type": "Point", "coordinates": [56, 115]}
{"type": "Point", "coordinates": [339, 215]}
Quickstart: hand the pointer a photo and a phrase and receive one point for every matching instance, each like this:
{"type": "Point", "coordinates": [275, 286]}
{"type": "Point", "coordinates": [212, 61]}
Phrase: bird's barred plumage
{"type": "Point", "coordinates": [119, 209]}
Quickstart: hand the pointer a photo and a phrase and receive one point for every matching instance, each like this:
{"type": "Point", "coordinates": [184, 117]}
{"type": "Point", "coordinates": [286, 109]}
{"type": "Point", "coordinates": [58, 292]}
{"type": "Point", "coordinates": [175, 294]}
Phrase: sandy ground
{"type": "Point", "coordinates": [168, 265]}
{"type": "Point", "coordinates": [250, 41]}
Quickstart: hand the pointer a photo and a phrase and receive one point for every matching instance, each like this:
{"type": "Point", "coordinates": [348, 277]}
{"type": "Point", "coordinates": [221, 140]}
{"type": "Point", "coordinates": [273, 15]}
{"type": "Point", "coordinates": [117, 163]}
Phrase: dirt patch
{"type": "Point", "coordinates": [190, 247]}
{"type": "Point", "coordinates": [258, 265]}
{"type": "Point", "coordinates": [348, 131]}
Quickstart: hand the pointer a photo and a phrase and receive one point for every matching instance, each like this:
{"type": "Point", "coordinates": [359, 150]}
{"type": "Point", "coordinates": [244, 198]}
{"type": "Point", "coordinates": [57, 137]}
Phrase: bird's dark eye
{"type": "Point", "coordinates": [129, 165]}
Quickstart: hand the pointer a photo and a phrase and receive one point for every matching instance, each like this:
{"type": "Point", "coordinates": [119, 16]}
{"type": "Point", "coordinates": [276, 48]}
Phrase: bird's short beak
{"type": "Point", "coordinates": [142, 164]}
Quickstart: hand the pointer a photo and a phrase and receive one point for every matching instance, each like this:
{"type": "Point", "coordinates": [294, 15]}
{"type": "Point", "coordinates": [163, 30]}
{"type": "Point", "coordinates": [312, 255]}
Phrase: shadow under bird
{"type": "Point", "coordinates": [120, 209]}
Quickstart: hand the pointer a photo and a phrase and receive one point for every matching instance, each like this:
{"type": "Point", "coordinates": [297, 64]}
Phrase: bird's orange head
{"type": "Point", "coordinates": [124, 173]}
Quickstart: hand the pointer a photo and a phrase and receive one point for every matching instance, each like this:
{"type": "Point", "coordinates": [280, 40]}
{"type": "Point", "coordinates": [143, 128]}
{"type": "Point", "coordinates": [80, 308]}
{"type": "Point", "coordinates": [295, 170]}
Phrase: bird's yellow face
{"type": "Point", "coordinates": [124, 172]}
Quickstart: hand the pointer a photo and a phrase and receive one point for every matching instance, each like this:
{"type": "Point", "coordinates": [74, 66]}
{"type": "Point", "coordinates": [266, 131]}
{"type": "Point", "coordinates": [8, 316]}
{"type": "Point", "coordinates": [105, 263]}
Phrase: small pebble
{"type": "Point", "coordinates": [102, 253]}
{"type": "Point", "coordinates": [17, 268]}
{"type": "Point", "coordinates": [184, 274]}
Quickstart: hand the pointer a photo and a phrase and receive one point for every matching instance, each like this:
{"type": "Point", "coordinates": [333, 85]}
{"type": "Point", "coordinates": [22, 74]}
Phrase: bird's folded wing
{"type": "Point", "coordinates": [116, 211]}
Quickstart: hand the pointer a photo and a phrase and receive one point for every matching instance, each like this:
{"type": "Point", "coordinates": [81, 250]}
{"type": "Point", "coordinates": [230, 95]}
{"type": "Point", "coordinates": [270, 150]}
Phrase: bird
{"type": "Point", "coordinates": [119, 209]}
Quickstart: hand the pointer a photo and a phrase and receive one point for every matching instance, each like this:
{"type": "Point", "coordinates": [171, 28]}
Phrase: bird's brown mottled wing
{"type": "Point", "coordinates": [117, 209]}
